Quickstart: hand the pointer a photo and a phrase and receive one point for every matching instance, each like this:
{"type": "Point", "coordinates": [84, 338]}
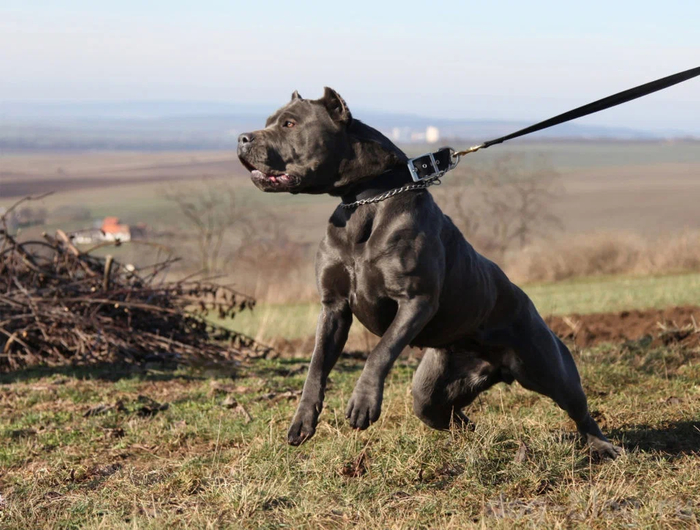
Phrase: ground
{"type": "Point", "coordinates": [205, 447]}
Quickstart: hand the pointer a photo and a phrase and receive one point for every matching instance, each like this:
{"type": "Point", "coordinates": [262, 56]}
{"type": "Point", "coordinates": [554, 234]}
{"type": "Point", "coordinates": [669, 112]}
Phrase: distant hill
{"type": "Point", "coordinates": [173, 125]}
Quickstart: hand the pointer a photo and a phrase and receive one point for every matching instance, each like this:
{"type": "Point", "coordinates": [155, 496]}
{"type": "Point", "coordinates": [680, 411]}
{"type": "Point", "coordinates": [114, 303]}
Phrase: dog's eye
{"type": "Point", "coordinates": [289, 124]}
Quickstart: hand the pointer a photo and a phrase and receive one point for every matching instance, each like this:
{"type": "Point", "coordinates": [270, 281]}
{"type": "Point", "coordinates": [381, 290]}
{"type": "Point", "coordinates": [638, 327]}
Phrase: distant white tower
{"type": "Point", "coordinates": [432, 134]}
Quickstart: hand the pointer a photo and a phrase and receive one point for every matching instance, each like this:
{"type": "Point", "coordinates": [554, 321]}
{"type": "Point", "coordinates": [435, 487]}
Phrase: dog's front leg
{"type": "Point", "coordinates": [365, 404]}
{"type": "Point", "coordinates": [331, 333]}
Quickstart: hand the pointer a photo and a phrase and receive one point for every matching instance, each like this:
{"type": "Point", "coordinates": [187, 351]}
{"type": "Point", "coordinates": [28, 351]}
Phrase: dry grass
{"type": "Point", "coordinates": [286, 273]}
{"type": "Point", "coordinates": [605, 253]}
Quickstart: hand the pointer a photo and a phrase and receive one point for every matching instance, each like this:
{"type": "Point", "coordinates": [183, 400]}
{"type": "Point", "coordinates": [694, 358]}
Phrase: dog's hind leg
{"type": "Point", "coordinates": [445, 383]}
{"type": "Point", "coordinates": [544, 364]}
{"type": "Point", "coordinates": [576, 405]}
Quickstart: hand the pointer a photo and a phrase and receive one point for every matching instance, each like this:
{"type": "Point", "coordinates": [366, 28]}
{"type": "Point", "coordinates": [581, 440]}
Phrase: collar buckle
{"type": "Point", "coordinates": [431, 165]}
{"type": "Point", "coordinates": [419, 169]}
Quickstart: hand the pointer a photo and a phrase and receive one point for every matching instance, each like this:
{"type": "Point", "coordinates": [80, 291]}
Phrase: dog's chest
{"type": "Point", "coordinates": [368, 297]}
{"type": "Point", "coordinates": [361, 245]}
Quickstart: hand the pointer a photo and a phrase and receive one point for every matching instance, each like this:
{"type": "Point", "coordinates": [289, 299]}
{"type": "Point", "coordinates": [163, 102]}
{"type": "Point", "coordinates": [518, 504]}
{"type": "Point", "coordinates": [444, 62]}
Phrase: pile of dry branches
{"type": "Point", "coordinates": [59, 305]}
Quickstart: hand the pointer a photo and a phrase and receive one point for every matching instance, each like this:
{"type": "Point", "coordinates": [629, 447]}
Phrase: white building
{"type": "Point", "coordinates": [432, 134]}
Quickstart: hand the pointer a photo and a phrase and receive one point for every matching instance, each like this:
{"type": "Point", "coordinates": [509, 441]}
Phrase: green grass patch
{"type": "Point", "coordinates": [595, 295]}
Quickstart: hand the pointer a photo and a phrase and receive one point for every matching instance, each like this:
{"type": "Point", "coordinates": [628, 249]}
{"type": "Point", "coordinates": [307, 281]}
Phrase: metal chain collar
{"type": "Point", "coordinates": [432, 181]}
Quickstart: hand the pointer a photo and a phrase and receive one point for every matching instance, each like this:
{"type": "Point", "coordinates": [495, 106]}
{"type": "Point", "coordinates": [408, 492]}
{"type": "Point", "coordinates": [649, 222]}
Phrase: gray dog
{"type": "Point", "coordinates": [406, 272]}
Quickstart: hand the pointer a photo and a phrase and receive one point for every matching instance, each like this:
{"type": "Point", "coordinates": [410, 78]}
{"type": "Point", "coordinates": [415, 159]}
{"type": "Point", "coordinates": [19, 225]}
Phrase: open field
{"type": "Point", "coordinates": [643, 199]}
{"type": "Point", "coordinates": [66, 172]}
{"type": "Point", "coordinates": [642, 187]}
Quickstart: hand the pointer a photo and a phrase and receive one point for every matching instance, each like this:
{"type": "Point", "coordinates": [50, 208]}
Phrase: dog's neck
{"type": "Point", "coordinates": [393, 178]}
{"type": "Point", "coordinates": [371, 158]}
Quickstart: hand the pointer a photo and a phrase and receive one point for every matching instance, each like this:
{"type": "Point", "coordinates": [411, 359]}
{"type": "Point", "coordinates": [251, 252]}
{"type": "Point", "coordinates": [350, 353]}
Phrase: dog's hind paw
{"type": "Point", "coordinates": [603, 448]}
{"type": "Point", "coordinates": [461, 421]}
{"type": "Point", "coordinates": [363, 409]}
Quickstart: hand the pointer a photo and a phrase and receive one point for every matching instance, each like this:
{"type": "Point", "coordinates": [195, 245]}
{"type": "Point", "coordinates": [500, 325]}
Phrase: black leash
{"type": "Point", "coordinates": [427, 169]}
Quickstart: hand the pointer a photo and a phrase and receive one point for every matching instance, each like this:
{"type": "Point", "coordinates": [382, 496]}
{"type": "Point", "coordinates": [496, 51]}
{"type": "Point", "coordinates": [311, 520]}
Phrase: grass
{"type": "Point", "coordinates": [216, 455]}
{"type": "Point", "coordinates": [593, 295]}
{"type": "Point", "coordinates": [198, 464]}
{"type": "Point", "coordinates": [590, 295]}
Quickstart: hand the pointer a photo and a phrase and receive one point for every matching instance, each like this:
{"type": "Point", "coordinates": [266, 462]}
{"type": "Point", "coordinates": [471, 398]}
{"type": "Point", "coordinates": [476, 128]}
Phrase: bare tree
{"type": "Point", "coordinates": [505, 205]}
{"type": "Point", "coordinates": [267, 245]}
{"type": "Point", "coordinates": [212, 211]}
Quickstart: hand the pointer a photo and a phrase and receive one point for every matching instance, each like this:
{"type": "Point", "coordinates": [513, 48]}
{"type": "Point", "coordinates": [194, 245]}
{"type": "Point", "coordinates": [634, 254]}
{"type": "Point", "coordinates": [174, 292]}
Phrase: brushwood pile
{"type": "Point", "coordinates": [61, 305]}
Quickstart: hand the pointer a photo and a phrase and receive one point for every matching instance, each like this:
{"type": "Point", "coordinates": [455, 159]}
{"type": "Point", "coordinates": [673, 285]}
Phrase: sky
{"type": "Point", "coordinates": [506, 60]}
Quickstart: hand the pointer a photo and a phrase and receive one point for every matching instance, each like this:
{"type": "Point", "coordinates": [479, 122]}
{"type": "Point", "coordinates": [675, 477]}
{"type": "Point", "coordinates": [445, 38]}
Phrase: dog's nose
{"type": "Point", "coordinates": [245, 138]}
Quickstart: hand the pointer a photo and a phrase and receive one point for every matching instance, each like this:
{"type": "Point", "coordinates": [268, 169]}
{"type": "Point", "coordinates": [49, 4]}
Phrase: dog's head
{"type": "Point", "coordinates": [315, 146]}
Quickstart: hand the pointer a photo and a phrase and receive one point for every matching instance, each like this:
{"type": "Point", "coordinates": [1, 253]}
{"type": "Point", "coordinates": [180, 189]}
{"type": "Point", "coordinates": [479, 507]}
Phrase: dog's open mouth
{"type": "Point", "coordinates": [274, 181]}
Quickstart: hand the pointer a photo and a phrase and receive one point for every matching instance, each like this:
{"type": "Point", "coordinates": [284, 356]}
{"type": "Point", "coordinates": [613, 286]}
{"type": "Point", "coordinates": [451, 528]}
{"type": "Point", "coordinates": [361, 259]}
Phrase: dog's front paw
{"type": "Point", "coordinates": [303, 425]}
{"type": "Point", "coordinates": [364, 408]}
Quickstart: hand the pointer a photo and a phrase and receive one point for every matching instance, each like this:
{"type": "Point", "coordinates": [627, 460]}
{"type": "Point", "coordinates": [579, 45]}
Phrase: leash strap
{"type": "Point", "coordinates": [596, 106]}
{"type": "Point", "coordinates": [426, 170]}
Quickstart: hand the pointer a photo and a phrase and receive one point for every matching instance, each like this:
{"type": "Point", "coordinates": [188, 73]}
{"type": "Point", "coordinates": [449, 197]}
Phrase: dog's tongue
{"type": "Point", "coordinates": [275, 179]}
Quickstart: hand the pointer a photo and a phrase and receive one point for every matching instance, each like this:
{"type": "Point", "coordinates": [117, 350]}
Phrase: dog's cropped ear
{"type": "Point", "coordinates": [336, 106]}
{"type": "Point", "coordinates": [296, 95]}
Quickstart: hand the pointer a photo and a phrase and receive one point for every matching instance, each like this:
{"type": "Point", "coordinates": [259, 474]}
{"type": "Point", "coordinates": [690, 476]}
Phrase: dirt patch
{"type": "Point", "coordinates": [18, 184]}
{"type": "Point", "coordinates": [673, 325]}
{"type": "Point", "coordinates": [17, 187]}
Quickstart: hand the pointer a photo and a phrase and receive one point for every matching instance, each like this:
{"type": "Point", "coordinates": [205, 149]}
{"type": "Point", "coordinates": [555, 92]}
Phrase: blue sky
{"type": "Point", "coordinates": [498, 60]}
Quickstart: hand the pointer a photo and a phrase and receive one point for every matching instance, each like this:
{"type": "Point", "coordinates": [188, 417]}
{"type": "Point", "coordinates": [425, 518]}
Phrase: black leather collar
{"type": "Point", "coordinates": [414, 171]}
{"type": "Point", "coordinates": [394, 178]}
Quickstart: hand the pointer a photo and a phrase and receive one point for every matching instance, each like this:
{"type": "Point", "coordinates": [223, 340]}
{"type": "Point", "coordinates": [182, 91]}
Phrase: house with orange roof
{"type": "Point", "coordinates": [113, 230]}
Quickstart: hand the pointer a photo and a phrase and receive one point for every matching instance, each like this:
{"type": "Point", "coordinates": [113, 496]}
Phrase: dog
{"type": "Point", "coordinates": [402, 268]}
